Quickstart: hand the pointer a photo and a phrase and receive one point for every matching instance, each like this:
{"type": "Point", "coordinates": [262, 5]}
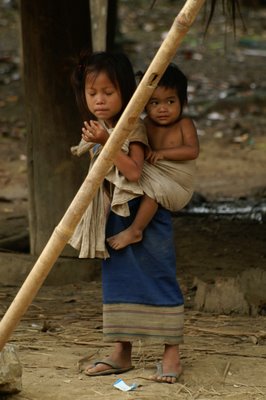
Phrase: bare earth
{"type": "Point", "coordinates": [224, 354]}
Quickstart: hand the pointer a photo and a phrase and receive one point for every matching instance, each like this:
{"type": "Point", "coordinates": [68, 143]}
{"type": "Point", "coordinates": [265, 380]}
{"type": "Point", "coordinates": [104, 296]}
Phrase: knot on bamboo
{"type": "Point", "coordinates": [183, 21]}
{"type": "Point", "coordinates": [153, 80]}
{"type": "Point", "coordinates": [131, 121]}
{"type": "Point", "coordinates": [63, 233]}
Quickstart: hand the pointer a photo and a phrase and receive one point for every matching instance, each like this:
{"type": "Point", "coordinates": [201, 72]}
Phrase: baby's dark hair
{"type": "Point", "coordinates": [174, 78]}
{"type": "Point", "coordinates": [117, 67]}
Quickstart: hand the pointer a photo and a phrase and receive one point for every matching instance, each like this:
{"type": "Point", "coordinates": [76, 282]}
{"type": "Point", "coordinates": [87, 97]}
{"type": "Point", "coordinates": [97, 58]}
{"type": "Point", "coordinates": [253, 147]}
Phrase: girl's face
{"type": "Point", "coordinates": [102, 97]}
{"type": "Point", "coordinates": [164, 106]}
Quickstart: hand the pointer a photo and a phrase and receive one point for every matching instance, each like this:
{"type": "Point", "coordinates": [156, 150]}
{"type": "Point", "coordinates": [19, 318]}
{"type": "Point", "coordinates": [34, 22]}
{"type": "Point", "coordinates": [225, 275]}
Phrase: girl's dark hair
{"type": "Point", "coordinates": [117, 67]}
{"type": "Point", "coordinates": [174, 78]}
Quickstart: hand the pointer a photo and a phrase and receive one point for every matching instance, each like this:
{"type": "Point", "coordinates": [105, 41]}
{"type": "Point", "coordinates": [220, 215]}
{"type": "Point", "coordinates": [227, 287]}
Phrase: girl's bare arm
{"type": "Point", "coordinates": [130, 165]}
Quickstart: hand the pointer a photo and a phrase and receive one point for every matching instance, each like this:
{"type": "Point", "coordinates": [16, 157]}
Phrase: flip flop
{"type": "Point", "coordinates": [114, 368]}
{"type": "Point", "coordinates": [160, 374]}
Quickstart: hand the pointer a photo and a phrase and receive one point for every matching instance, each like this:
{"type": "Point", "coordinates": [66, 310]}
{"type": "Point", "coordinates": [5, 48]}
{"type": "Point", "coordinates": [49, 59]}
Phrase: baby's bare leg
{"type": "Point", "coordinates": [134, 232]}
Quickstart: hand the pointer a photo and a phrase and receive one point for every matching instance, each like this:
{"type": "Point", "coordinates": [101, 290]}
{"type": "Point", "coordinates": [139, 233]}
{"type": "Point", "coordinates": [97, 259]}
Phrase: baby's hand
{"type": "Point", "coordinates": [153, 156]}
{"type": "Point", "coordinates": [94, 132]}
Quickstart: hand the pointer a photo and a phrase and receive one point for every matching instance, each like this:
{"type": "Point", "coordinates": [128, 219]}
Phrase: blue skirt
{"type": "Point", "coordinates": [141, 296]}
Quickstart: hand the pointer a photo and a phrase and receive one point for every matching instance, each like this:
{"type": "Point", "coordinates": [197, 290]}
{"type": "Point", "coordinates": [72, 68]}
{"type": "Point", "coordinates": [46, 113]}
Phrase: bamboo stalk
{"type": "Point", "coordinates": [66, 226]}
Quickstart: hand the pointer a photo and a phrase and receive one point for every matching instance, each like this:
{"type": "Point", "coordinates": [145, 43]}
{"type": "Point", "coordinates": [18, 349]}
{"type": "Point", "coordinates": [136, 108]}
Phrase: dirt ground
{"type": "Point", "coordinates": [224, 354]}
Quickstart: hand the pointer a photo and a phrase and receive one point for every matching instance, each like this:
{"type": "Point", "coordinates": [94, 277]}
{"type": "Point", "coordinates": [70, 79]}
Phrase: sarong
{"type": "Point", "coordinates": [141, 296]}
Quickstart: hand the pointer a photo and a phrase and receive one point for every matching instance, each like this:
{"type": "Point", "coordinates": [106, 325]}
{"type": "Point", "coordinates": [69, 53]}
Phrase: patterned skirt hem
{"type": "Point", "coordinates": [150, 324]}
{"type": "Point", "coordinates": [149, 340]}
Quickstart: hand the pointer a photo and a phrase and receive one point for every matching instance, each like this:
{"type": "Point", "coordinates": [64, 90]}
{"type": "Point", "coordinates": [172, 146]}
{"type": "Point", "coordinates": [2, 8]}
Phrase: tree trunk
{"type": "Point", "coordinates": [53, 32]}
{"type": "Point", "coordinates": [98, 11]}
{"type": "Point", "coordinates": [104, 23]}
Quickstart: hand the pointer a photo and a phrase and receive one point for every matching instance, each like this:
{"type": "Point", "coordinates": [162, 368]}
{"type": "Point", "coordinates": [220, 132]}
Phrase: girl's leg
{"type": "Point", "coordinates": [170, 365]}
{"type": "Point", "coordinates": [121, 356]}
{"type": "Point", "coordinates": [134, 232]}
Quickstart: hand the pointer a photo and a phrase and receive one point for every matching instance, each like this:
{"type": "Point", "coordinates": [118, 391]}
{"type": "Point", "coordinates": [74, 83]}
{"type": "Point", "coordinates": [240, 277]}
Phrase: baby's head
{"type": "Point", "coordinates": [174, 78]}
{"type": "Point", "coordinates": [115, 65]}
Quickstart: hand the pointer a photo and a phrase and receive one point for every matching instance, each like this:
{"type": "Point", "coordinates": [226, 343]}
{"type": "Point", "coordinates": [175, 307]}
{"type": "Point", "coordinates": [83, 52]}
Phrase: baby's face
{"type": "Point", "coordinates": [164, 106]}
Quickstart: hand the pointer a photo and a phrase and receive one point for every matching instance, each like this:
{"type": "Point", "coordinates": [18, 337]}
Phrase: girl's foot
{"type": "Point", "coordinates": [121, 357]}
{"type": "Point", "coordinates": [124, 238]}
{"type": "Point", "coordinates": [170, 369]}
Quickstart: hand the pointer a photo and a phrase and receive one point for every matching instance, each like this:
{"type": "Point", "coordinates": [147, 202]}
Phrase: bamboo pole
{"type": "Point", "coordinates": [66, 226]}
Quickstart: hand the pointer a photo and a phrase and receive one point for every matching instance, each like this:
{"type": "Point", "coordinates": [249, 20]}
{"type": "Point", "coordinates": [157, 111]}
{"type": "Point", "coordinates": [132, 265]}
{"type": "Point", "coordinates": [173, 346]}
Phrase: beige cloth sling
{"type": "Point", "coordinates": [89, 235]}
{"type": "Point", "coordinates": [170, 183]}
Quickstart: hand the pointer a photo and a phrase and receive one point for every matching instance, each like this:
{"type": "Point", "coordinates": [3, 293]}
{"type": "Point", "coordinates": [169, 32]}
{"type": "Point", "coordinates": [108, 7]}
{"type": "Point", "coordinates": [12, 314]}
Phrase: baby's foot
{"type": "Point", "coordinates": [124, 238]}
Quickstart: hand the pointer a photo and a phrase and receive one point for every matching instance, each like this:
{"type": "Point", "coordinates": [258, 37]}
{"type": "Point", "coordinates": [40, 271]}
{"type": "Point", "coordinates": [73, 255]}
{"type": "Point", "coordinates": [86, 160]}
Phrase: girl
{"type": "Point", "coordinates": [141, 297]}
{"type": "Point", "coordinates": [103, 85]}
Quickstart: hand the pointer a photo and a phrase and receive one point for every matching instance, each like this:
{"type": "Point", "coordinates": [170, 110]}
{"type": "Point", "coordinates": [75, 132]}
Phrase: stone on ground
{"type": "Point", "coordinates": [10, 371]}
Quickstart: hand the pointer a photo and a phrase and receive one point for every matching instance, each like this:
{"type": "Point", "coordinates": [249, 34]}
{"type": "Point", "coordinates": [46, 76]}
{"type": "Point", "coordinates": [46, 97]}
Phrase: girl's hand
{"type": "Point", "coordinates": [94, 132]}
{"type": "Point", "coordinates": [153, 156]}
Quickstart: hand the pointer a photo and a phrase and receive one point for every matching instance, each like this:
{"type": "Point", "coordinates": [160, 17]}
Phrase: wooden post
{"type": "Point", "coordinates": [51, 32]}
{"type": "Point", "coordinates": [66, 226]}
{"type": "Point", "coordinates": [98, 14]}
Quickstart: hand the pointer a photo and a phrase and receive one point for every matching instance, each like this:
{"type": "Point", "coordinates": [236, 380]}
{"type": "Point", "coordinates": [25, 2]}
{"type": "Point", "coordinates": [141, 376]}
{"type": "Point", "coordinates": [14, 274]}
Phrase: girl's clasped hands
{"type": "Point", "coordinates": [93, 131]}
